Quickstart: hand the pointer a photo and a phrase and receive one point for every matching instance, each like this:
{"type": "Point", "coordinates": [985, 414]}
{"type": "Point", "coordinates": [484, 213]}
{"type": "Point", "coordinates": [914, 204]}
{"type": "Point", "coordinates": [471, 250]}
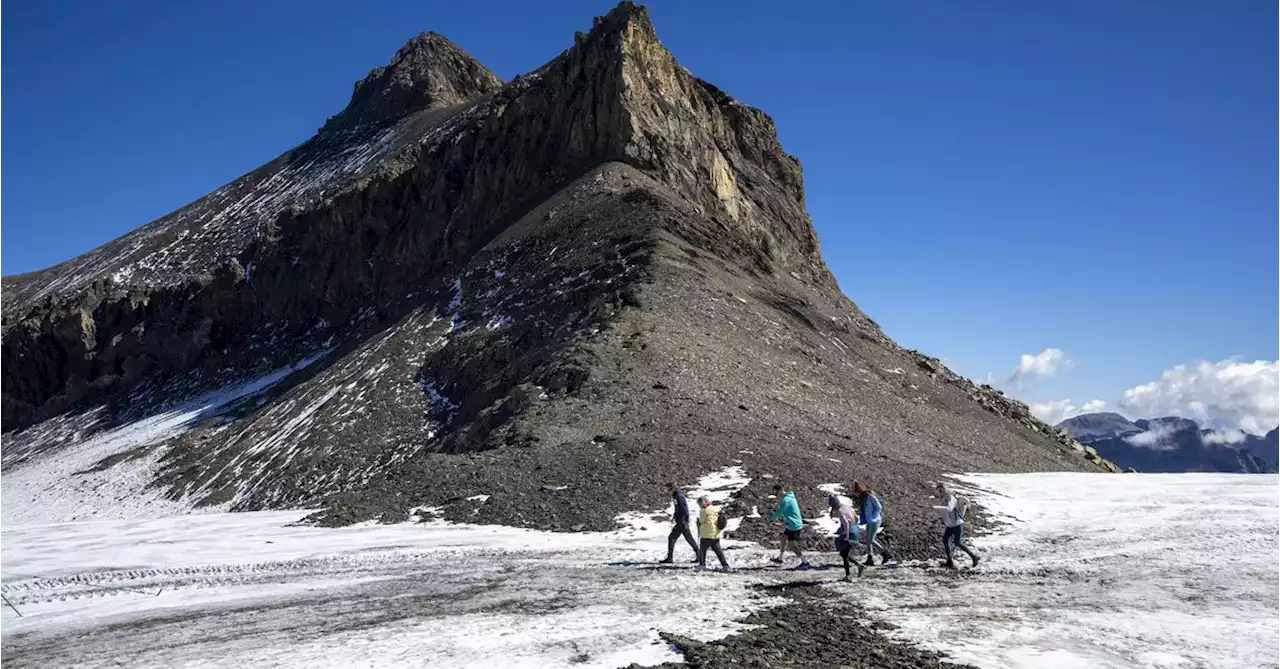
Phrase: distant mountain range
{"type": "Point", "coordinates": [1173, 444]}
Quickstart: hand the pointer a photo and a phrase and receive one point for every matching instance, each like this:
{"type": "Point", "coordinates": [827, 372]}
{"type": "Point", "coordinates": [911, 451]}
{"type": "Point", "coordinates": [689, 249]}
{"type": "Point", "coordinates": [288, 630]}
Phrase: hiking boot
{"type": "Point", "coordinates": [871, 561]}
{"type": "Point", "coordinates": [802, 566]}
{"type": "Point", "coordinates": [723, 570]}
{"type": "Point", "coordinates": [975, 560]}
{"type": "Point", "coordinates": [776, 560]}
{"type": "Point", "coordinates": [860, 568]}
{"type": "Point", "coordinates": [886, 558]}
{"type": "Point", "coordinates": [666, 561]}
{"type": "Point", "coordinates": [950, 565]}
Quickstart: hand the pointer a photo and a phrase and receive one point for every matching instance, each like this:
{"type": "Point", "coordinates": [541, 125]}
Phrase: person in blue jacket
{"type": "Point", "coordinates": [871, 514]}
{"type": "Point", "coordinates": [680, 518]}
{"type": "Point", "coordinates": [789, 511]}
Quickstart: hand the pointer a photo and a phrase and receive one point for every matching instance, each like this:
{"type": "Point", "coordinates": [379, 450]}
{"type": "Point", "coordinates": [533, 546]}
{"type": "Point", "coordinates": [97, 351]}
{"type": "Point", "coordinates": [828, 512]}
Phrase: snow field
{"type": "Point", "coordinates": [250, 589]}
{"type": "Point", "coordinates": [1143, 571]}
{"type": "Point", "coordinates": [1159, 571]}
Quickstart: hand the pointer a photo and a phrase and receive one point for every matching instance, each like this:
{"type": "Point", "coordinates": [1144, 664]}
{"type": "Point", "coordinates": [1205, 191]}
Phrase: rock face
{"type": "Point", "coordinates": [550, 295]}
{"type": "Point", "coordinates": [1172, 444]}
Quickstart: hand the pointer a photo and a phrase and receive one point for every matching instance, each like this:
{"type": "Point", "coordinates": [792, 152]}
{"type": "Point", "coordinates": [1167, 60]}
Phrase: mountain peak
{"type": "Point", "coordinates": [464, 266]}
{"type": "Point", "coordinates": [723, 156]}
{"type": "Point", "coordinates": [624, 15]}
{"type": "Point", "coordinates": [1095, 425]}
{"type": "Point", "coordinates": [428, 72]}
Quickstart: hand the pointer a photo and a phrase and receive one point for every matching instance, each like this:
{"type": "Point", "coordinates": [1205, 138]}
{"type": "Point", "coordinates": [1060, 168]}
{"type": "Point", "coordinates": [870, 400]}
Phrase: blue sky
{"type": "Point", "coordinates": [987, 178]}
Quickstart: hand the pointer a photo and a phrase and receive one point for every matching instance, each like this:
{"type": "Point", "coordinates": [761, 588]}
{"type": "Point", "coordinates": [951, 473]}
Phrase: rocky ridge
{"type": "Point", "coordinates": [530, 303]}
{"type": "Point", "coordinates": [554, 294]}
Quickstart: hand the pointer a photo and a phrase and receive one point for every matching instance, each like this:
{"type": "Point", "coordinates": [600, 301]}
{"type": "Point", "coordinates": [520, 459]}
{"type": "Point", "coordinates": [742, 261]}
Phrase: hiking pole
{"type": "Point", "coordinates": [15, 609]}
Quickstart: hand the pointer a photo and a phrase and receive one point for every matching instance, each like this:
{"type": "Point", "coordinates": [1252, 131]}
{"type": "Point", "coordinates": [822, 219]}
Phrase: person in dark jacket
{"type": "Point", "coordinates": [680, 518]}
{"type": "Point", "coordinates": [871, 513]}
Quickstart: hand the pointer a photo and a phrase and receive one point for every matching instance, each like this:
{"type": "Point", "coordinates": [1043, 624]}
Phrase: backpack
{"type": "Point", "coordinates": [962, 507]}
{"type": "Point", "coordinates": [722, 520]}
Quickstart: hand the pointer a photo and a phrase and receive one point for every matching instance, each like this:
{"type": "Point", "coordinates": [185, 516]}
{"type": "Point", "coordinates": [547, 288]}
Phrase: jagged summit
{"type": "Point", "coordinates": [428, 72]}
{"type": "Point", "coordinates": [554, 293]}
{"type": "Point", "coordinates": [626, 19]}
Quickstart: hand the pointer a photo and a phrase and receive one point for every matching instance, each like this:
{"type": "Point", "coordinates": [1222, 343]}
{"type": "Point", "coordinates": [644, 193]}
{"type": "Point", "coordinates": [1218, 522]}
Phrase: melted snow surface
{"type": "Point", "coordinates": [1159, 571]}
{"type": "Point", "coordinates": [248, 589]}
{"type": "Point", "coordinates": [1142, 571]}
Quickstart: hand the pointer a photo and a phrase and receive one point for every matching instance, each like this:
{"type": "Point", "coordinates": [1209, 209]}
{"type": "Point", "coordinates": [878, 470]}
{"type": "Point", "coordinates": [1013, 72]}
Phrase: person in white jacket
{"type": "Point", "coordinates": [952, 510]}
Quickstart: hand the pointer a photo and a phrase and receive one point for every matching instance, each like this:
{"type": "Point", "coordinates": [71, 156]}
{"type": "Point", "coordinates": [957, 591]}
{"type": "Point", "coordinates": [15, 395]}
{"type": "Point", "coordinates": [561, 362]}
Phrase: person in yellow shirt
{"type": "Point", "coordinates": [710, 527]}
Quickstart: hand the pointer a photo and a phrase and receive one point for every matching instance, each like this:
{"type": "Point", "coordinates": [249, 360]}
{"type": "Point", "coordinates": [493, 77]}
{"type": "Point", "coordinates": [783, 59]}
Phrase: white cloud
{"type": "Point", "coordinates": [1228, 437]}
{"type": "Point", "coordinates": [1230, 394]}
{"type": "Point", "coordinates": [1056, 411]}
{"type": "Point", "coordinates": [1154, 438]}
{"type": "Point", "coordinates": [1044, 363]}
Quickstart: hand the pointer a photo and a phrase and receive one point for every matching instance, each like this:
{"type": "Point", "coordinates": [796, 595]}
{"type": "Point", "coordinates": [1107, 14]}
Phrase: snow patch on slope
{"type": "Point", "coordinates": [824, 521]}
{"type": "Point", "coordinates": [58, 482]}
{"type": "Point", "coordinates": [719, 486]}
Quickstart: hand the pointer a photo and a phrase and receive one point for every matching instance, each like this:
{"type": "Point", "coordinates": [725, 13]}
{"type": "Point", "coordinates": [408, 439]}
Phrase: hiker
{"type": "Point", "coordinates": [681, 527]}
{"type": "Point", "coordinates": [789, 511]}
{"type": "Point", "coordinates": [847, 534]}
{"type": "Point", "coordinates": [870, 512]}
{"type": "Point", "coordinates": [711, 524]}
{"type": "Point", "coordinates": [952, 511]}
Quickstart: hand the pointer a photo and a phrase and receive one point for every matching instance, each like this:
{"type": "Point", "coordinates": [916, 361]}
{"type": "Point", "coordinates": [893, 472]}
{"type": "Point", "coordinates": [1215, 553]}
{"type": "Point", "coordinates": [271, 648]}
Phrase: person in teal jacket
{"type": "Point", "coordinates": [789, 511]}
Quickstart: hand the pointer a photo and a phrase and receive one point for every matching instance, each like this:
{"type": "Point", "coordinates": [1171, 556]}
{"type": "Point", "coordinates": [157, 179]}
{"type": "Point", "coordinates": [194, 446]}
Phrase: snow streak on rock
{"type": "Point", "coordinates": [219, 225]}
{"type": "Point", "coordinates": [303, 431]}
{"type": "Point", "coordinates": [54, 472]}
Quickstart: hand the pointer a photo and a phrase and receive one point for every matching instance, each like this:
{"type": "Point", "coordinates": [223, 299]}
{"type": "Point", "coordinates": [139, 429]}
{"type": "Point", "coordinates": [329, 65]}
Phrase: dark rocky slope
{"type": "Point", "coordinates": [816, 629]}
{"type": "Point", "coordinates": [559, 292]}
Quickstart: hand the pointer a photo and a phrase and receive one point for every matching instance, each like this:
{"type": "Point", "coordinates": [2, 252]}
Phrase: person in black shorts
{"type": "Point", "coordinates": [789, 511]}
